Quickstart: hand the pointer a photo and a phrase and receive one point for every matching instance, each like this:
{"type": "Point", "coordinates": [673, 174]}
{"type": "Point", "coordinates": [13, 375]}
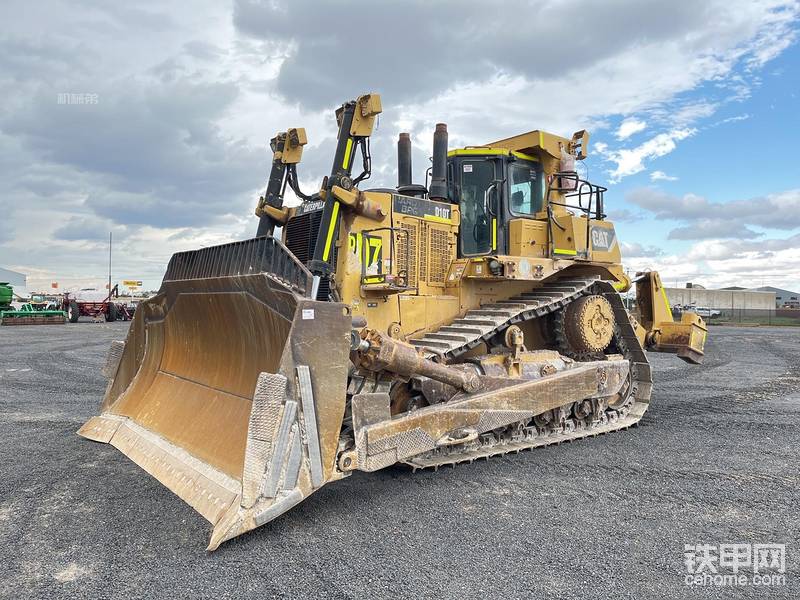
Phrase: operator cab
{"type": "Point", "coordinates": [493, 187]}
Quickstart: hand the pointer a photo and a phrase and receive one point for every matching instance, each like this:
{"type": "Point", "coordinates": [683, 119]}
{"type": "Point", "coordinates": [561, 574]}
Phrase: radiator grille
{"type": "Point", "coordinates": [440, 255]}
{"type": "Point", "coordinates": [407, 252]}
{"type": "Point", "coordinates": [301, 235]}
{"type": "Point", "coordinates": [429, 251]}
{"type": "Point", "coordinates": [423, 253]}
{"type": "Point", "coordinates": [301, 238]}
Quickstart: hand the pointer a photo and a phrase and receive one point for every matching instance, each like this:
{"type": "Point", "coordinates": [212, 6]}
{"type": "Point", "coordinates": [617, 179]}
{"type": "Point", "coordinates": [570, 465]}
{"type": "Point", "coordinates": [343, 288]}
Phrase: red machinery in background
{"type": "Point", "coordinates": [95, 304]}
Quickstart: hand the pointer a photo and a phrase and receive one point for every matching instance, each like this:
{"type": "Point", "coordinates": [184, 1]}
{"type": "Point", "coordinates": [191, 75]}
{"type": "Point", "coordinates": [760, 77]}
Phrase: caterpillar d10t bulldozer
{"type": "Point", "coordinates": [425, 325]}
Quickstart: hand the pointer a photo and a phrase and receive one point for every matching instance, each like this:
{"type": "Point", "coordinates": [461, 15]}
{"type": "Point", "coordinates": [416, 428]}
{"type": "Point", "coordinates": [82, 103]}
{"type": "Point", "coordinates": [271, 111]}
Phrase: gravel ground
{"type": "Point", "coordinates": [714, 460]}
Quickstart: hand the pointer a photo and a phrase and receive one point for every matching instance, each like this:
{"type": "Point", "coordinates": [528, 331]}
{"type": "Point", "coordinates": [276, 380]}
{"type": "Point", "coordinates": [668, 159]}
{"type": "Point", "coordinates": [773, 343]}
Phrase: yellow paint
{"type": "Point", "coordinates": [354, 243]}
{"type": "Point", "coordinates": [494, 234]}
{"type": "Point", "coordinates": [619, 285]}
{"type": "Point", "coordinates": [331, 229]}
{"type": "Point", "coordinates": [564, 251]}
{"type": "Point", "coordinates": [490, 152]}
{"type": "Point", "coordinates": [347, 151]}
{"type": "Point", "coordinates": [371, 246]}
{"type": "Point", "coordinates": [475, 151]}
{"type": "Point", "coordinates": [374, 279]}
{"type": "Point", "coordinates": [527, 237]}
{"type": "Point", "coordinates": [666, 302]}
{"type": "Point", "coordinates": [438, 219]}
{"type": "Point", "coordinates": [524, 156]}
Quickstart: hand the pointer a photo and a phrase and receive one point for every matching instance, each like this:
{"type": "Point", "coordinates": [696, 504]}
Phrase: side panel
{"type": "Point", "coordinates": [419, 314]}
{"type": "Point", "coordinates": [563, 244]}
{"type": "Point", "coordinates": [416, 247]}
{"type": "Point", "coordinates": [527, 238]}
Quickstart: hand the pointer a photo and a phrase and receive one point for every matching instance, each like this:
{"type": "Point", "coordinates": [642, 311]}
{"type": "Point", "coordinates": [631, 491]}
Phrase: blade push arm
{"type": "Point", "coordinates": [287, 150]}
{"type": "Point", "coordinates": [356, 119]}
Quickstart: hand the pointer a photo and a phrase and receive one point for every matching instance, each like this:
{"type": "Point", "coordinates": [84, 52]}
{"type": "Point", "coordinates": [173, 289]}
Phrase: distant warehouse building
{"type": "Point", "coordinates": [18, 281]}
{"type": "Point", "coordinates": [727, 304]}
{"type": "Point", "coordinates": [729, 301]}
{"type": "Point", "coordinates": [783, 298]}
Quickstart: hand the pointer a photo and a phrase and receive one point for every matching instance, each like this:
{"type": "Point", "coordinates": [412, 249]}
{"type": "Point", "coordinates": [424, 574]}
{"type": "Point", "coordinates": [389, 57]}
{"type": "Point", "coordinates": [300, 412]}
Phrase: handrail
{"type": "Point", "coordinates": [580, 188]}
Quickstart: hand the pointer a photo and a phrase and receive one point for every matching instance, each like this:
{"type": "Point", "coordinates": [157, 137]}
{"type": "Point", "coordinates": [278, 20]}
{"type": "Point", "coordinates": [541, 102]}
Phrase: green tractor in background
{"type": "Point", "coordinates": [28, 314]}
{"type": "Point", "coordinates": [6, 294]}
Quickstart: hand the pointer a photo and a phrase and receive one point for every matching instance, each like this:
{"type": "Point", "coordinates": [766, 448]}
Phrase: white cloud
{"type": "Point", "coordinates": [630, 161]}
{"type": "Point", "coordinates": [689, 113]}
{"type": "Point", "coordinates": [634, 250]}
{"type": "Point", "coordinates": [724, 249]}
{"type": "Point", "coordinates": [175, 154]}
{"type": "Point", "coordinates": [661, 176]}
{"type": "Point", "coordinates": [722, 263]}
{"type": "Point", "coordinates": [743, 117]}
{"type": "Point", "coordinates": [630, 126]}
{"type": "Point", "coordinates": [704, 219]}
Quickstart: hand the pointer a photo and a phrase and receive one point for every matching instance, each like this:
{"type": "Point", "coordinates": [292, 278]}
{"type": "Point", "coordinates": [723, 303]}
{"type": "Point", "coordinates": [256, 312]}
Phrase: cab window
{"type": "Point", "coordinates": [525, 189]}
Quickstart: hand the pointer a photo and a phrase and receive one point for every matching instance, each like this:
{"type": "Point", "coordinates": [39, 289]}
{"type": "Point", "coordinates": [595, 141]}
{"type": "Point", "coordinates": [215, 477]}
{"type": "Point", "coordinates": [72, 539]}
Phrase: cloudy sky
{"type": "Point", "coordinates": [693, 108]}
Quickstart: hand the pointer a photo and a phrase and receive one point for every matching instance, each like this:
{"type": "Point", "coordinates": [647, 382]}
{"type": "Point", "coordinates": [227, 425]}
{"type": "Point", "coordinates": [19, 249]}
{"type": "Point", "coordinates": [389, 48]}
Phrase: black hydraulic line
{"type": "Point", "coordinates": [366, 158]}
{"type": "Point", "coordinates": [291, 179]}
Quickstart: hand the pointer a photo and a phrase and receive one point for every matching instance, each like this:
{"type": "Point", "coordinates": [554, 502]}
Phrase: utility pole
{"type": "Point", "coordinates": [110, 234]}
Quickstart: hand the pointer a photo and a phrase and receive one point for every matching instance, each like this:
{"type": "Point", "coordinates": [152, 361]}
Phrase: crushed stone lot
{"type": "Point", "coordinates": [714, 460]}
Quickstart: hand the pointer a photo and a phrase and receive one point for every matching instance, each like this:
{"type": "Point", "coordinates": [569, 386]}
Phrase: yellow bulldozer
{"type": "Point", "coordinates": [476, 315]}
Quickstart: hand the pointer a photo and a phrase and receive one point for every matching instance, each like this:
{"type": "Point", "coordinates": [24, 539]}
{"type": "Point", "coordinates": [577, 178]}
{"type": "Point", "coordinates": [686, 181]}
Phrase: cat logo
{"type": "Point", "coordinates": [309, 206]}
{"type": "Point", "coordinates": [603, 238]}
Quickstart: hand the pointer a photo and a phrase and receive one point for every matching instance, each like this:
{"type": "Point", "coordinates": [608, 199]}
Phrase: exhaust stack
{"type": "Point", "coordinates": [404, 176]}
{"type": "Point", "coordinates": [438, 189]}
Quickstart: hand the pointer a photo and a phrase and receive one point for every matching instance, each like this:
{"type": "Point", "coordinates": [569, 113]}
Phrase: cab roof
{"type": "Point", "coordinates": [488, 150]}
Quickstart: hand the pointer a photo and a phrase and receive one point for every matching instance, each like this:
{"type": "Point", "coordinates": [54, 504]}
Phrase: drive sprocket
{"type": "Point", "coordinates": [588, 324]}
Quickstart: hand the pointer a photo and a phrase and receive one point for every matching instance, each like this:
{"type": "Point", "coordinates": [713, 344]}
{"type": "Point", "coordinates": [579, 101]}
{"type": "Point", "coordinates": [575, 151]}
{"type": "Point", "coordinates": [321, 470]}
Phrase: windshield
{"type": "Point", "coordinates": [476, 234]}
{"type": "Point", "coordinates": [526, 187]}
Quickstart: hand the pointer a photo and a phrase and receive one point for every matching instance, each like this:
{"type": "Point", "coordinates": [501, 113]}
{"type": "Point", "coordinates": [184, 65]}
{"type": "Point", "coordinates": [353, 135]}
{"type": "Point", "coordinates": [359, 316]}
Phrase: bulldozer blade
{"type": "Point", "coordinates": [230, 387]}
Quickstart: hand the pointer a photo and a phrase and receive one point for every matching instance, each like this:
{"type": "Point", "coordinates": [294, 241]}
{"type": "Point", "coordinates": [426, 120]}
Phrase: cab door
{"type": "Point", "coordinates": [478, 195]}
